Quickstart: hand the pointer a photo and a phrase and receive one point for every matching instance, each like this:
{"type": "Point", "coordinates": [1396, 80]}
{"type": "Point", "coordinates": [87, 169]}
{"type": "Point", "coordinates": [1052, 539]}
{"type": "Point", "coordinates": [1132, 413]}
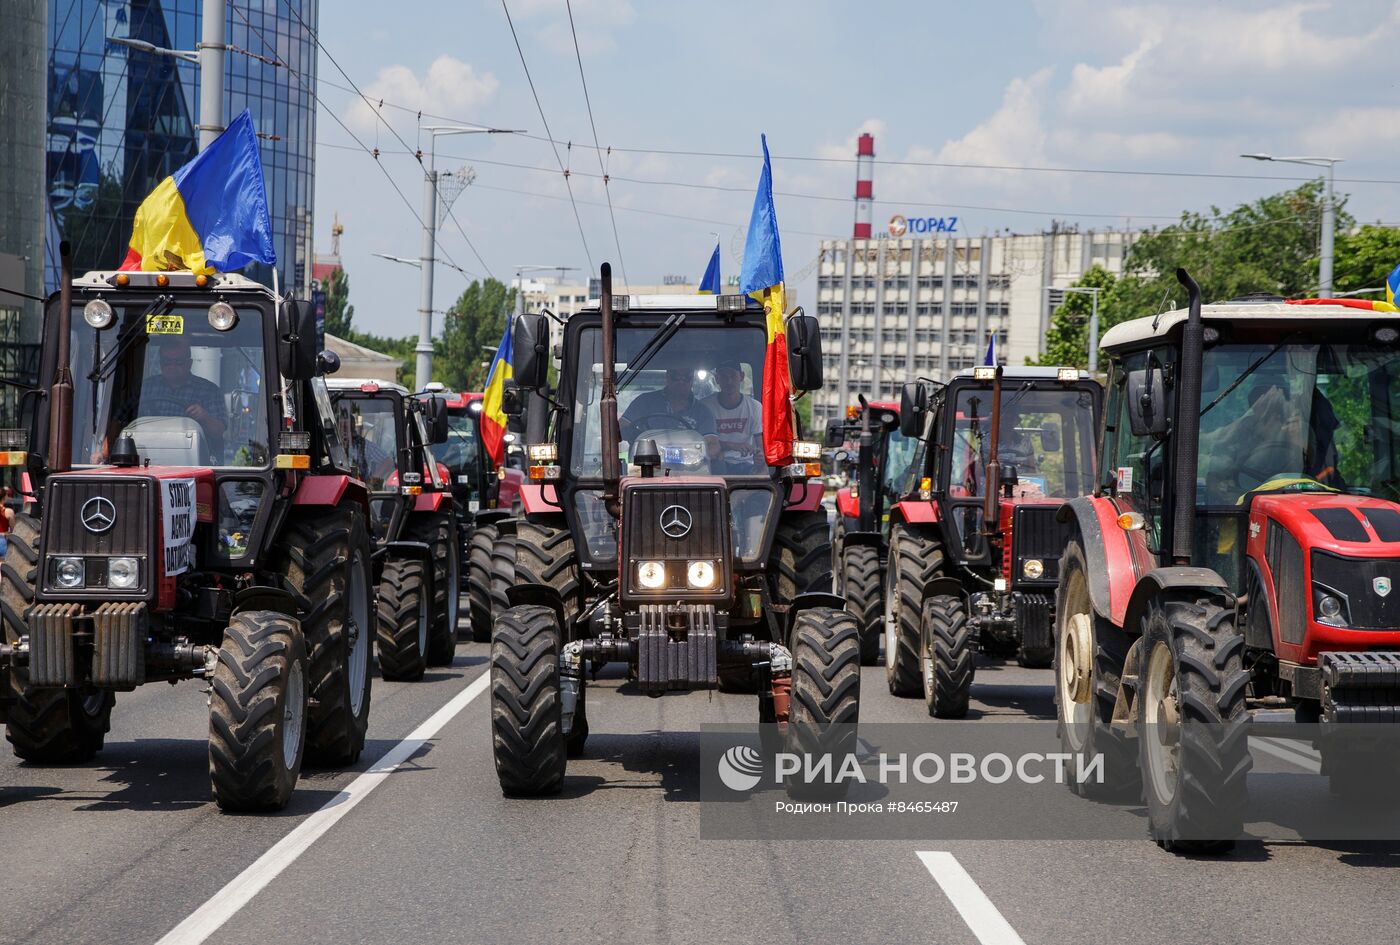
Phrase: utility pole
{"type": "Point", "coordinates": [1329, 216]}
{"type": "Point", "coordinates": [211, 72]}
{"type": "Point", "coordinates": [1093, 293]}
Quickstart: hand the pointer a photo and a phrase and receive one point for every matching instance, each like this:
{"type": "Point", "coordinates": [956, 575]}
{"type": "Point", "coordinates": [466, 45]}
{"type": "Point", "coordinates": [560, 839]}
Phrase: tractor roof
{"type": "Point", "coordinates": [368, 385]}
{"type": "Point", "coordinates": [676, 303]}
{"type": "Point", "coordinates": [1013, 372]}
{"type": "Point", "coordinates": [1158, 326]}
{"type": "Point", "coordinates": [223, 281]}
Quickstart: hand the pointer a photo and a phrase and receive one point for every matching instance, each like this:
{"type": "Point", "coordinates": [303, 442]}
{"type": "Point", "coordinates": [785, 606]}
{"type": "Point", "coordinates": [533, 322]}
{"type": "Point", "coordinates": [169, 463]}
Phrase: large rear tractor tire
{"type": "Point", "coordinates": [865, 599]}
{"type": "Point", "coordinates": [825, 706]}
{"type": "Point", "coordinates": [439, 532]}
{"type": "Point", "coordinates": [44, 726]}
{"type": "Point", "coordinates": [546, 555]}
{"type": "Point", "coordinates": [527, 738]}
{"type": "Point", "coordinates": [326, 567]}
{"type": "Point", "coordinates": [257, 712]}
{"type": "Point", "coordinates": [800, 561]}
{"type": "Point", "coordinates": [916, 558]}
{"type": "Point", "coordinates": [502, 572]}
{"type": "Point", "coordinates": [948, 659]}
{"type": "Point", "coordinates": [1192, 727]}
{"type": "Point", "coordinates": [403, 620]}
{"type": "Point", "coordinates": [1090, 654]}
{"type": "Point", "coordinates": [479, 581]}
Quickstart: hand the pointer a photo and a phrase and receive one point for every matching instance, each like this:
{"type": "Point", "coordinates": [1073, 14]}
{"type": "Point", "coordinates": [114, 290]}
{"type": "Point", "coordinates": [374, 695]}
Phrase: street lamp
{"type": "Point", "coordinates": [1329, 224]}
{"type": "Point", "coordinates": [423, 364]}
{"type": "Point", "coordinates": [1093, 293]}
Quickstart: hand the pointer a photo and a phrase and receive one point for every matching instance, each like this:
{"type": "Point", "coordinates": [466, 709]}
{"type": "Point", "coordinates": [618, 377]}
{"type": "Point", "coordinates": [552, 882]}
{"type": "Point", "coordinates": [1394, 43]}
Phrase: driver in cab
{"type": "Point", "coordinates": [673, 407]}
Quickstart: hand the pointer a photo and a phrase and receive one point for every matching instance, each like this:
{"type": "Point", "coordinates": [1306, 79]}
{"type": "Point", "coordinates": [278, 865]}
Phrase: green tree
{"type": "Point", "coordinates": [473, 325]}
{"type": "Point", "coordinates": [1067, 341]}
{"type": "Point", "coordinates": [340, 314]}
{"type": "Point", "coordinates": [1364, 257]}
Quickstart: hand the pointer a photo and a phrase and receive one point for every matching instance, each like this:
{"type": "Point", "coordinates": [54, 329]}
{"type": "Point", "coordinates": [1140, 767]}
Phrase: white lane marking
{"type": "Point", "coordinates": [224, 904]}
{"type": "Point", "coordinates": [983, 918]}
{"type": "Point", "coordinates": [1304, 758]}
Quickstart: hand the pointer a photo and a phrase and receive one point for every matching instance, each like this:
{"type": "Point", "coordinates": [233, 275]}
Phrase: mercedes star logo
{"type": "Point", "coordinates": [675, 521]}
{"type": "Point", "coordinates": [98, 515]}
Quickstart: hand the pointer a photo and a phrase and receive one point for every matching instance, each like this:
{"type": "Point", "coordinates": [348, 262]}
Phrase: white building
{"type": "Point", "coordinates": [895, 309]}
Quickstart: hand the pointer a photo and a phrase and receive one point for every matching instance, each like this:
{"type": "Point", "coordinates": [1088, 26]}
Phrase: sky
{"type": "Point", "coordinates": [1006, 89]}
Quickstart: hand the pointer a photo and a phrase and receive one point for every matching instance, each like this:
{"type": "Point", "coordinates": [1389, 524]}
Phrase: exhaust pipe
{"type": "Point", "coordinates": [1187, 428]}
{"type": "Point", "coordinates": [61, 393]}
{"type": "Point", "coordinates": [990, 518]}
{"type": "Point", "coordinates": [607, 403]}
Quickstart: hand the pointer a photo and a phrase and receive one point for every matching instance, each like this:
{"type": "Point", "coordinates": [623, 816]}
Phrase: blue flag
{"type": "Point", "coordinates": [763, 252]}
{"type": "Point", "coordinates": [1392, 285]}
{"type": "Point", "coordinates": [991, 359]}
{"type": "Point", "coordinates": [709, 285]}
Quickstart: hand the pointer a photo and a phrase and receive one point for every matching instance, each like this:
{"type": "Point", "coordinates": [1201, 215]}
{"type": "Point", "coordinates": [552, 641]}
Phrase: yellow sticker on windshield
{"type": "Point", "coordinates": [165, 324]}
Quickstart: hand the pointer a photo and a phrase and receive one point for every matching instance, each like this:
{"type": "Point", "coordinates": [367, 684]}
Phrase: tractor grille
{"type": "Point", "coordinates": [132, 533]}
{"type": "Point", "coordinates": [1358, 580]}
{"type": "Point", "coordinates": [647, 507]}
{"type": "Point", "coordinates": [1036, 534]}
{"type": "Point", "coordinates": [1285, 558]}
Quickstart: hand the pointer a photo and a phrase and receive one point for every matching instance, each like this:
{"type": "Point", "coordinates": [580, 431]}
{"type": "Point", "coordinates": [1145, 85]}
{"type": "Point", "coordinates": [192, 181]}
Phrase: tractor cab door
{"type": "Point", "coordinates": [375, 440]}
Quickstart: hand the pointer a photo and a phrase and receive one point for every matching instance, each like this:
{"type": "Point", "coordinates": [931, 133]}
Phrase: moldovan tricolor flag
{"type": "Point", "coordinates": [210, 215]}
{"type": "Point", "coordinates": [763, 279]}
{"type": "Point", "coordinates": [493, 417]}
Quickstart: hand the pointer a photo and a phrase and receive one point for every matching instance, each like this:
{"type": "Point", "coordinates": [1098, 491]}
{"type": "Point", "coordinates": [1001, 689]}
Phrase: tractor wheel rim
{"type": "Point", "coordinates": [454, 588]}
{"type": "Point", "coordinates": [293, 715]}
{"type": "Point", "coordinates": [891, 617]}
{"type": "Point", "coordinates": [1161, 740]}
{"type": "Point", "coordinates": [359, 635]}
{"type": "Point", "coordinates": [1076, 659]}
{"type": "Point", "coordinates": [423, 619]}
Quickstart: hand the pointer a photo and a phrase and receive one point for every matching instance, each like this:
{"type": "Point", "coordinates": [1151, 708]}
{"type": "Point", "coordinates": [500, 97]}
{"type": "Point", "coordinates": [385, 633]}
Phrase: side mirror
{"type": "Point", "coordinates": [1050, 437]}
{"type": "Point", "coordinates": [436, 415]}
{"type": "Point", "coordinates": [804, 340]}
{"type": "Point", "coordinates": [530, 351]}
{"type": "Point", "coordinates": [835, 432]}
{"type": "Point", "coordinates": [1147, 402]}
{"type": "Point", "coordinates": [296, 337]}
{"type": "Point", "coordinates": [512, 404]}
{"type": "Point", "coordinates": [327, 362]}
{"type": "Point", "coordinates": [913, 404]}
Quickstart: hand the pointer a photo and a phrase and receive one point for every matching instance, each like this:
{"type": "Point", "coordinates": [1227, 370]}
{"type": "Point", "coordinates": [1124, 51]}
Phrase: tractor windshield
{"type": "Point", "coordinates": [1300, 416]}
{"type": "Point", "coordinates": [1046, 437]}
{"type": "Point", "coordinates": [460, 452]}
{"type": "Point", "coordinates": [697, 398]}
{"type": "Point", "coordinates": [186, 393]}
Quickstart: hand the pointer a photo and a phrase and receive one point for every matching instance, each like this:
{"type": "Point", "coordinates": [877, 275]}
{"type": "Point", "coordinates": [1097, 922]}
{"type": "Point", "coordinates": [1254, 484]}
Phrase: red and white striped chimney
{"type": "Point", "coordinates": [865, 185]}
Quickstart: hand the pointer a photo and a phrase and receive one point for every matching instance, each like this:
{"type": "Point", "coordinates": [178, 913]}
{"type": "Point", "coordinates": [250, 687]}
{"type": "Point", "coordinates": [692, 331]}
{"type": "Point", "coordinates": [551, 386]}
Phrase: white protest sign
{"type": "Point", "coordinates": [177, 511]}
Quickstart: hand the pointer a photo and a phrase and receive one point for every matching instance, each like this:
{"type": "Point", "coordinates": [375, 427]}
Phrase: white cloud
{"type": "Point", "coordinates": [1013, 134]}
{"type": "Point", "coordinates": [450, 87]}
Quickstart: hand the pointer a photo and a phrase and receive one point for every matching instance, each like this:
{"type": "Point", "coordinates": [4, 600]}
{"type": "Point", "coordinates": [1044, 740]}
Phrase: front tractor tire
{"type": "Point", "coordinates": [257, 712]}
{"type": "Point", "coordinates": [1192, 726]}
{"type": "Point", "coordinates": [546, 555]}
{"type": "Point", "coordinates": [527, 735]}
{"type": "Point", "coordinates": [800, 561]}
{"type": "Point", "coordinates": [825, 704]}
{"type": "Point", "coordinates": [916, 558]}
{"type": "Point", "coordinates": [861, 580]}
{"type": "Point", "coordinates": [403, 621]}
{"type": "Point", "coordinates": [326, 567]}
{"type": "Point", "coordinates": [948, 657]}
{"type": "Point", "coordinates": [439, 532]}
{"type": "Point", "coordinates": [45, 726]}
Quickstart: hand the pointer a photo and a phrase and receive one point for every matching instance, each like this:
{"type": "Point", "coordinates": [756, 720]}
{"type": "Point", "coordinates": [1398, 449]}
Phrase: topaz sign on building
{"type": "Point", "coordinates": [901, 225]}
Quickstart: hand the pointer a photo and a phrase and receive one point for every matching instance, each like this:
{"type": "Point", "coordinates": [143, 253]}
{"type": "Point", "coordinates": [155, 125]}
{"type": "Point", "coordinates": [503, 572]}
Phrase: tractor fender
{"type": "Point", "coordinates": [542, 594]}
{"type": "Point", "coordinates": [540, 499]}
{"type": "Point", "coordinates": [847, 505]}
{"type": "Point", "coordinates": [266, 598]}
{"type": "Point", "coordinates": [511, 483]}
{"type": "Point", "coordinates": [1107, 554]}
{"type": "Point", "coordinates": [1174, 581]}
{"type": "Point", "coordinates": [489, 516]}
{"type": "Point", "coordinates": [805, 495]}
{"type": "Point", "coordinates": [418, 550]}
{"type": "Point", "coordinates": [331, 490]}
{"type": "Point", "coordinates": [432, 502]}
{"type": "Point", "coordinates": [806, 602]}
{"type": "Point", "coordinates": [945, 587]}
{"type": "Point", "coordinates": [873, 539]}
{"type": "Point", "coordinates": [915, 512]}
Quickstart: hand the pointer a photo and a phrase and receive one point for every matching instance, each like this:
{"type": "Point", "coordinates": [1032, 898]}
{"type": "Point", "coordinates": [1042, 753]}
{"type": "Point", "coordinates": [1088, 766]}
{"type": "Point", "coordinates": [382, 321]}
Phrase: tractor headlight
{"type": "Point", "coordinates": [701, 574]}
{"type": "Point", "coordinates": [1328, 607]}
{"type": "Point", "coordinates": [1033, 568]}
{"type": "Point", "coordinates": [651, 575]}
{"type": "Point", "coordinates": [123, 573]}
{"type": "Point", "coordinates": [98, 314]}
{"type": "Point", "coordinates": [806, 450]}
{"type": "Point", "coordinates": [68, 572]}
{"type": "Point", "coordinates": [222, 317]}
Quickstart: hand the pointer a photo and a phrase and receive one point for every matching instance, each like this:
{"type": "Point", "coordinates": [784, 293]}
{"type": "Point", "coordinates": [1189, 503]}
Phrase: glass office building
{"type": "Point", "coordinates": [121, 119]}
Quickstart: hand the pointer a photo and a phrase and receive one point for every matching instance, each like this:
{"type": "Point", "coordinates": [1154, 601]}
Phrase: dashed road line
{"type": "Point", "coordinates": [224, 904]}
{"type": "Point", "coordinates": [1294, 754]}
{"type": "Point", "coordinates": [981, 916]}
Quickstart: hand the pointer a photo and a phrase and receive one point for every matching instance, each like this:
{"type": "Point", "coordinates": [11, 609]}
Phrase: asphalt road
{"type": "Point", "coordinates": [129, 847]}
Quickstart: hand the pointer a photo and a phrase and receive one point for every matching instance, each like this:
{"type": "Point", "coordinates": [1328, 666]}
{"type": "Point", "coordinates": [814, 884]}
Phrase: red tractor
{"type": "Point", "coordinates": [877, 455]}
{"type": "Point", "coordinates": [974, 543]}
{"type": "Point", "coordinates": [1240, 551]}
{"type": "Point", "coordinates": [413, 521]}
{"type": "Point", "coordinates": [191, 515]}
{"type": "Point", "coordinates": [654, 533]}
{"type": "Point", "coordinates": [487, 497]}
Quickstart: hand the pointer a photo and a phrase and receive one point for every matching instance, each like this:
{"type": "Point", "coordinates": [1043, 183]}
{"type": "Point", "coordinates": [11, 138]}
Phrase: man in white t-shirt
{"type": "Point", "coordinates": [738, 422]}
